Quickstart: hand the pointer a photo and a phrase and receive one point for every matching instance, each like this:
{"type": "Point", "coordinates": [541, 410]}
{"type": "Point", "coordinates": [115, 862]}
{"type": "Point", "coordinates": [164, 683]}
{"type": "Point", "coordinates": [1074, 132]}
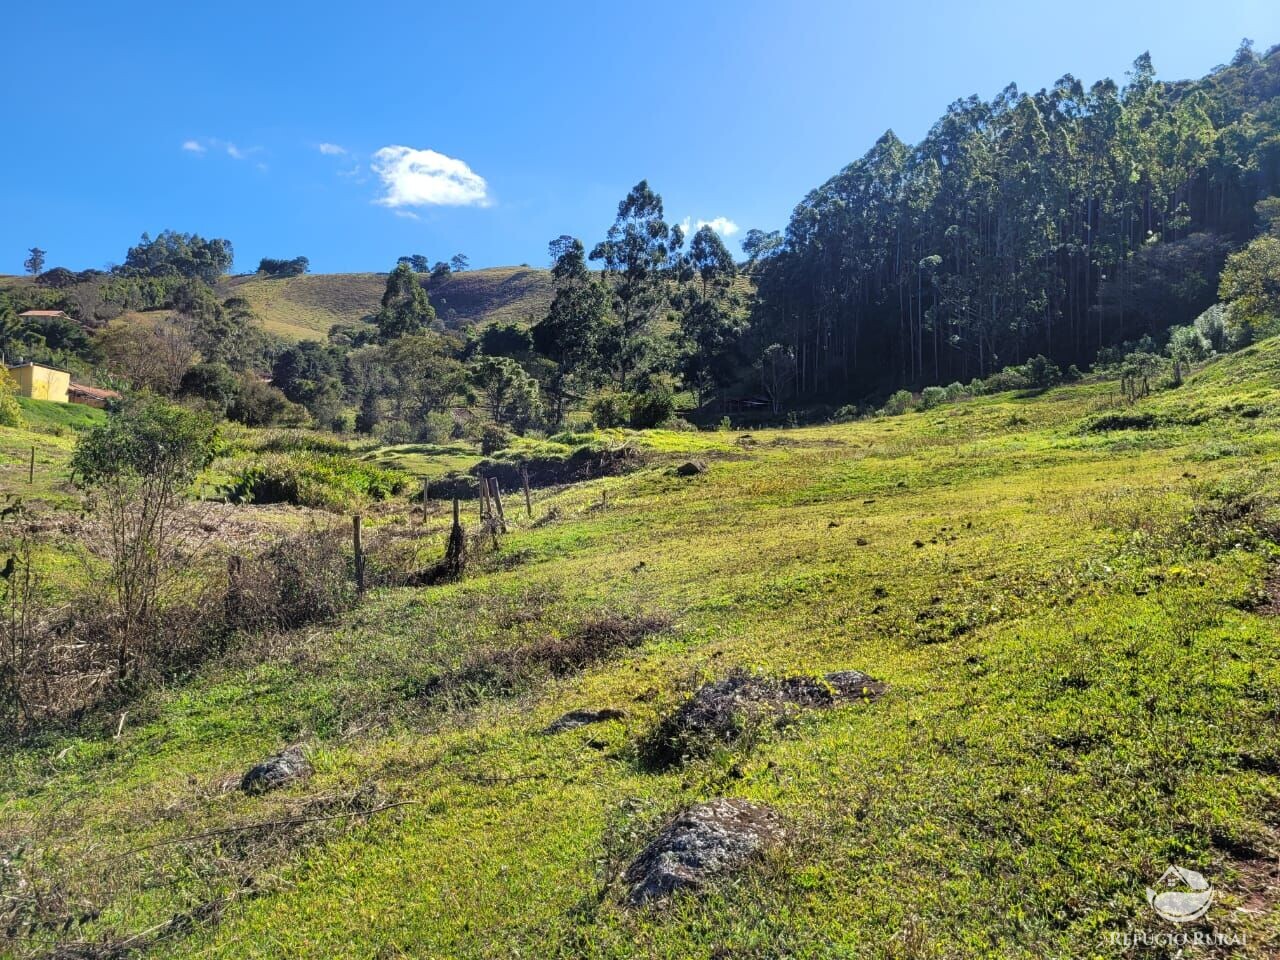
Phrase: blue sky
{"type": "Point", "coordinates": [353, 134]}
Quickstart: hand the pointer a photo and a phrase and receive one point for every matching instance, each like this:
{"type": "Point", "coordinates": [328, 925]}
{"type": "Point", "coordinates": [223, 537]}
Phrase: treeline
{"type": "Point", "coordinates": [1056, 223]}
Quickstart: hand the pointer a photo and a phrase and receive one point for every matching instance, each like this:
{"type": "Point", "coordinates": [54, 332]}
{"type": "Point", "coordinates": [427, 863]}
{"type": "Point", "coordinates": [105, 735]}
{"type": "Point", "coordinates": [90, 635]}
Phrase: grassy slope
{"type": "Point", "coordinates": [1072, 693]}
{"type": "Point", "coordinates": [300, 308]}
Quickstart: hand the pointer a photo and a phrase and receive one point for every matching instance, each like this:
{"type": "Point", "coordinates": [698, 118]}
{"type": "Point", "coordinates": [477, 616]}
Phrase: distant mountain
{"type": "Point", "coordinates": [304, 308]}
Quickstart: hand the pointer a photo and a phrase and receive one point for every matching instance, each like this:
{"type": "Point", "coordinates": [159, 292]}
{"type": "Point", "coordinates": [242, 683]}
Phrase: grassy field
{"type": "Point", "coordinates": [302, 308]}
{"type": "Point", "coordinates": [1068, 598]}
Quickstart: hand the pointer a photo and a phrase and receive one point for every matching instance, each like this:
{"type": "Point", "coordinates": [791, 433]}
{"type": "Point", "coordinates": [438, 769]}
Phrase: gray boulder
{"type": "Point", "coordinates": [709, 840]}
{"type": "Point", "coordinates": [288, 766]}
{"type": "Point", "coordinates": [691, 468]}
{"type": "Point", "coordinates": [581, 718]}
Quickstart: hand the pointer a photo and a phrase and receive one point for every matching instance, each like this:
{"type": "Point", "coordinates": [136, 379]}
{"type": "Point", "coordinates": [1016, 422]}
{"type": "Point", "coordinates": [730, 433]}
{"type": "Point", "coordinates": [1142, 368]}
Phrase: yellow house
{"type": "Point", "coordinates": [39, 382]}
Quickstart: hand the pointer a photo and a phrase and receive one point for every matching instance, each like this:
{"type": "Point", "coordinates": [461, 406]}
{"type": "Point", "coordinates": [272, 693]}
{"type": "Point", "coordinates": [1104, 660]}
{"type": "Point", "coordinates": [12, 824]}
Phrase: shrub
{"type": "Point", "coordinates": [956, 391]}
{"type": "Point", "coordinates": [932, 397]}
{"type": "Point", "coordinates": [1041, 372]}
{"type": "Point", "coordinates": [493, 439]}
{"type": "Point", "coordinates": [611, 409]}
{"type": "Point", "coordinates": [10, 412]}
{"type": "Point", "coordinates": [257, 404]}
{"type": "Point", "coordinates": [846, 414]}
{"type": "Point", "coordinates": [897, 403]}
{"type": "Point", "coordinates": [138, 465]}
{"type": "Point", "coordinates": [653, 408]}
{"type": "Point", "coordinates": [300, 579]}
{"type": "Point", "coordinates": [322, 481]}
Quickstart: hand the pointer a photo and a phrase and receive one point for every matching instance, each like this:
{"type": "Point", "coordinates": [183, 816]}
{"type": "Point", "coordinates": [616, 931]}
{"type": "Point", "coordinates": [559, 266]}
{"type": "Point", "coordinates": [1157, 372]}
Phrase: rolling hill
{"type": "Point", "coordinates": [304, 308]}
{"type": "Point", "coordinates": [1067, 602]}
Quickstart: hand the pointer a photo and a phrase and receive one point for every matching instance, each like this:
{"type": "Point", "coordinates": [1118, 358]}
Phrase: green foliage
{"type": "Point", "coordinates": [611, 409]}
{"type": "Point", "coordinates": [10, 411]}
{"type": "Point", "coordinates": [324, 481]}
{"type": "Point", "coordinates": [406, 310]}
{"type": "Point", "coordinates": [899, 402]}
{"type": "Point", "coordinates": [211, 382]}
{"type": "Point", "coordinates": [652, 408]}
{"type": "Point", "coordinates": [258, 404]}
{"type": "Point", "coordinates": [173, 254]}
{"type": "Point", "coordinates": [284, 268]}
{"type": "Point", "coordinates": [148, 438]}
{"type": "Point", "coordinates": [1251, 287]}
{"type": "Point", "coordinates": [510, 394]}
{"type": "Point", "coordinates": [931, 397]}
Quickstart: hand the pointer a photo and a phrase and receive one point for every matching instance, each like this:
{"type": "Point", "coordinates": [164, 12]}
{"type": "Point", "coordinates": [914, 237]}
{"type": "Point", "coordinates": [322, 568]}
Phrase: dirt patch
{"type": "Point", "coordinates": [501, 671]}
{"type": "Point", "coordinates": [581, 718]}
{"type": "Point", "coordinates": [733, 711]}
{"type": "Point", "coordinates": [584, 463]}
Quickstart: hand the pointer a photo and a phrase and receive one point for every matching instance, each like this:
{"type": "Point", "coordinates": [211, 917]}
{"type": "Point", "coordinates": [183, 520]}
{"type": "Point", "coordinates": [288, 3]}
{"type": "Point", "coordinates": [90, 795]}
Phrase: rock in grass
{"type": "Point", "coordinates": [708, 840]}
{"type": "Point", "coordinates": [727, 711]}
{"type": "Point", "coordinates": [289, 766]}
{"type": "Point", "coordinates": [691, 468]}
{"type": "Point", "coordinates": [581, 718]}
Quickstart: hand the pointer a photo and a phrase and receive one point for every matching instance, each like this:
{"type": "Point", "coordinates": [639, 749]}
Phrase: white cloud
{"type": "Point", "coordinates": [721, 225]}
{"type": "Point", "coordinates": [419, 178]}
{"type": "Point", "coordinates": [407, 214]}
{"type": "Point", "coordinates": [331, 149]}
{"type": "Point", "coordinates": [231, 150]}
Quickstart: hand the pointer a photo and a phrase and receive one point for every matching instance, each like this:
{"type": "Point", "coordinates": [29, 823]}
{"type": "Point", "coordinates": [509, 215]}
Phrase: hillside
{"type": "Point", "coordinates": [300, 308]}
{"type": "Point", "coordinates": [1069, 600]}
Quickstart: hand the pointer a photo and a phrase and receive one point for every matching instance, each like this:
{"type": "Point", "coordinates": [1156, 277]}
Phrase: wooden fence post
{"type": "Point", "coordinates": [31, 470]}
{"type": "Point", "coordinates": [426, 485]}
{"type": "Point", "coordinates": [358, 551]}
{"type": "Point", "coordinates": [455, 554]}
{"type": "Point", "coordinates": [485, 509]}
{"type": "Point", "coordinates": [528, 500]}
{"type": "Point", "coordinates": [497, 502]}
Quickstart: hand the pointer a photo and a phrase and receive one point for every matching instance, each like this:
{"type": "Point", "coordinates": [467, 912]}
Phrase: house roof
{"type": "Point", "coordinates": [32, 363]}
{"type": "Point", "coordinates": [43, 313]}
{"type": "Point", "coordinates": [96, 393]}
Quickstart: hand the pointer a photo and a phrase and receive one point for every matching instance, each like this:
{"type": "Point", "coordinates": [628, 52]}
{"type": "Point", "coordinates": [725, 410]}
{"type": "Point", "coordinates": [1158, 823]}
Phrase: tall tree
{"type": "Point", "coordinates": [572, 332]}
{"type": "Point", "coordinates": [405, 308]}
{"type": "Point", "coordinates": [637, 254]}
{"type": "Point", "coordinates": [34, 264]}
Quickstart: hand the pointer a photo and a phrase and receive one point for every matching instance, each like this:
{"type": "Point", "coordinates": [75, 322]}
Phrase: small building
{"type": "Point", "coordinates": [43, 314]}
{"type": "Point", "coordinates": [91, 396]}
{"type": "Point", "coordinates": [39, 382]}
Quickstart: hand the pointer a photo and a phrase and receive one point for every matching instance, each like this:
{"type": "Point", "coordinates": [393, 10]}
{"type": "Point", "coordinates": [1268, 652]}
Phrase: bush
{"type": "Point", "coordinates": [653, 408]}
{"type": "Point", "coordinates": [932, 397]}
{"type": "Point", "coordinates": [611, 409]}
{"type": "Point", "coordinates": [897, 403]}
{"type": "Point", "coordinates": [10, 412]}
{"type": "Point", "coordinates": [956, 391]}
{"type": "Point", "coordinates": [493, 439]}
{"type": "Point", "coordinates": [322, 481]}
{"type": "Point", "coordinates": [257, 404]}
{"type": "Point", "coordinates": [300, 579]}
{"type": "Point", "coordinates": [1041, 372]}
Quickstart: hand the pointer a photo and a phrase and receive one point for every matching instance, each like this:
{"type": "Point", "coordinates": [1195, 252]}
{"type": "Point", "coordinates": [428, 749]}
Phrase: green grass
{"type": "Point", "coordinates": [304, 308]}
{"type": "Point", "coordinates": [46, 416]}
{"type": "Point", "coordinates": [1081, 692]}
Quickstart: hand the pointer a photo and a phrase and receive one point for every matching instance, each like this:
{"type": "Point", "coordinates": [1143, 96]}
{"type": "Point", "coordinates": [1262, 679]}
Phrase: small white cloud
{"type": "Point", "coordinates": [331, 149]}
{"type": "Point", "coordinates": [193, 146]}
{"type": "Point", "coordinates": [721, 225]}
{"type": "Point", "coordinates": [234, 152]}
{"type": "Point", "coordinates": [419, 178]}
{"type": "Point", "coordinates": [406, 214]}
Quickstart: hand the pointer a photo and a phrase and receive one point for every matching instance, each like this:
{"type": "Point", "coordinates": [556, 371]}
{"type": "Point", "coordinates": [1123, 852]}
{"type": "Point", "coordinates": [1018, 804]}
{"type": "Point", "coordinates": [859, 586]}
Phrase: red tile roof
{"type": "Point", "coordinates": [96, 393]}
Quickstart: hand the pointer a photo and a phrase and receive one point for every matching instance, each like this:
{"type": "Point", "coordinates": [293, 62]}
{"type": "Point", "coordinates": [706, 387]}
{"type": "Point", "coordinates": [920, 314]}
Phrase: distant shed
{"type": "Point", "coordinates": [91, 396]}
{"type": "Point", "coordinates": [39, 382]}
